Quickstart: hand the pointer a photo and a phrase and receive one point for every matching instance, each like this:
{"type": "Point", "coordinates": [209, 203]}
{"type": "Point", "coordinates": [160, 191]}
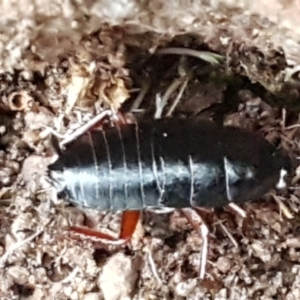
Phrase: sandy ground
{"type": "Point", "coordinates": [53, 90]}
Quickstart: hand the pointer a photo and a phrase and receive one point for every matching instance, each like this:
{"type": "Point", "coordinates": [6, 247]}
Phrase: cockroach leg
{"type": "Point", "coordinates": [196, 221]}
{"type": "Point", "coordinates": [128, 226]}
{"type": "Point", "coordinates": [204, 252]}
{"type": "Point", "coordinates": [194, 218]}
{"type": "Point", "coordinates": [92, 233]}
{"type": "Point", "coordinates": [129, 223]}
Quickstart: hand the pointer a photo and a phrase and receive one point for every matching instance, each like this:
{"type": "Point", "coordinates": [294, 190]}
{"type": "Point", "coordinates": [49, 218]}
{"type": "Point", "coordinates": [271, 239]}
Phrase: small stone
{"type": "Point", "coordinates": [223, 264]}
{"type": "Point", "coordinates": [118, 277]}
{"type": "Point", "coordinates": [68, 291]}
{"type": "Point", "coordinates": [92, 296]}
{"type": "Point", "coordinates": [19, 274]}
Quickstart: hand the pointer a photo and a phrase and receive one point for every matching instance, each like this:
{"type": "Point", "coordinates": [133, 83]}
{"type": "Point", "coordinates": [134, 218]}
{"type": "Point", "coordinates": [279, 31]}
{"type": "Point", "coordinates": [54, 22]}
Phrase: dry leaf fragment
{"type": "Point", "coordinates": [117, 93]}
{"type": "Point", "coordinates": [81, 81]}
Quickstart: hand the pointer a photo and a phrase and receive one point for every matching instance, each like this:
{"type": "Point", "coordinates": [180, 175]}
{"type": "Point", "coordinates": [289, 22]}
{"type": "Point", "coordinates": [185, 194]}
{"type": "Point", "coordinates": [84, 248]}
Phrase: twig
{"type": "Point", "coordinates": [49, 130]}
{"type": "Point", "coordinates": [204, 251]}
{"type": "Point", "coordinates": [85, 127]}
{"type": "Point", "coordinates": [198, 224]}
{"type": "Point", "coordinates": [139, 99]}
{"type": "Point", "coordinates": [207, 56]}
{"type": "Point", "coordinates": [17, 245]}
{"type": "Point", "coordinates": [70, 276]}
{"type": "Point", "coordinates": [161, 102]}
{"type": "Point", "coordinates": [292, 126]}
{"type": "Point", "coordinates": [283, 208]}
{"type": "Point", "coordinates": [153, 266]}
{"type": "Point", "coordinates": [159, 106]}
{"type": "Point", "coordinates": [283, 119]}
{"type": "Point", "coordinates": [176, 101]}
{"type": "Point", "coordinates": [238, 210]}
{"type": "Point", "coordinates": [234, 242]}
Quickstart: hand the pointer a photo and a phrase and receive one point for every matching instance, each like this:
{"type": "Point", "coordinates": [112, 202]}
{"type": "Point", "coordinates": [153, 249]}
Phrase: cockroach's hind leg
{"type": "Point", "coordinates": [201, 228]}
{"type": "Point", "coordinates": [92, 233]}
{"type": "Point", "coordinates": [128, 224]}
{"type": "Point", "coordinates": [194, 218]}
{"type": "Point", "coordinates": [204, 252]}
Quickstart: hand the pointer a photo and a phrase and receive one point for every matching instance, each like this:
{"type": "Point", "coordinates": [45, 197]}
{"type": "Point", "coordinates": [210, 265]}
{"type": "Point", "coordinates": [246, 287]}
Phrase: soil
{"type": "Point", "coordinates": [256, 257]}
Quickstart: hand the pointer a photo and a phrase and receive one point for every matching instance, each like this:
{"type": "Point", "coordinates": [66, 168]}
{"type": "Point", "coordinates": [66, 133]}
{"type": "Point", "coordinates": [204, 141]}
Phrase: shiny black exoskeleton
{"type": "Point", "coordinates": [172, 163]}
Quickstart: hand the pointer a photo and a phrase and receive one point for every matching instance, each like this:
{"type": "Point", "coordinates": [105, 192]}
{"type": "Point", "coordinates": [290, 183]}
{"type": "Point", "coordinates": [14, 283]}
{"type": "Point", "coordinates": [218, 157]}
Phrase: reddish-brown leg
{"type": "Point", "coordinates": [129, 223]}
{"type": "Point", "coordinates": [128, 226]}
{"type": "Point", "coordinates": [92, 233]}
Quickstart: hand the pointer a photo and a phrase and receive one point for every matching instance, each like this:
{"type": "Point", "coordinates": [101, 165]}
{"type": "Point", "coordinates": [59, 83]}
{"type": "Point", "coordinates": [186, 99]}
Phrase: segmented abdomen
{"type": "Point", "coordinates": [167, 163]}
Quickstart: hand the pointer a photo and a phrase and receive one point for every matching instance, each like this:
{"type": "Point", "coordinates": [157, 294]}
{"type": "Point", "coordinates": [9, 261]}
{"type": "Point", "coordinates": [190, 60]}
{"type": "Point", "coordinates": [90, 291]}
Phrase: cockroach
{"type": "Point", "coordinates": [166, 163]}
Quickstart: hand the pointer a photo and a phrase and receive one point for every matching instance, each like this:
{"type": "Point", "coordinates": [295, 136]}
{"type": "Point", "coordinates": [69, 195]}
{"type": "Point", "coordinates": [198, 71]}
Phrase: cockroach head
{"type": "Point", "coordinates": [56, 176]}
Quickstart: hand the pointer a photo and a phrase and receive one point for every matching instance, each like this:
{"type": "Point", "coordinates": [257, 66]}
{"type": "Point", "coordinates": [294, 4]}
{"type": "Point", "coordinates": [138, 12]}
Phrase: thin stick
{"type": "Point", "coordinates": [204, 252]}
{"type": "Point", "coordinates": [198, 224]}
{"type": "Point", "coordinates": [176, 101]}
{"type": "Point", "coordinates": [161, 102]}
{"type": "Point", "coordinates": [153, 266]}
{"type": "Point", "coordinates": [234, 242]}
{"type": "Point", "coordinates": [85, 127]}
{"type": "Point", "coordinates": [139, 99]}
{"type": "Point", "coordinates": [17, 245]}
{"type": "Point", "coordinates": [238, 210]}
{"type": "Point", "coordinates": [207, 56]}
{"type": "Point", "coordinates": [283, 208]}
{"type": "Point", "coordinates": [159, 106]}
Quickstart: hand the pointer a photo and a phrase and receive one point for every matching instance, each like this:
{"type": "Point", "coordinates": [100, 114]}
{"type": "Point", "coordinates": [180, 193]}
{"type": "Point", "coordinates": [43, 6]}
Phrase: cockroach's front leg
{"type": "Point", "coordinates": [128, 226]}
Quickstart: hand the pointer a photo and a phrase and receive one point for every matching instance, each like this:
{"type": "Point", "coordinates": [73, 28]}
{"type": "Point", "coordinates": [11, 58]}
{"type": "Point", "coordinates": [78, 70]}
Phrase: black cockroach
{"type": "Point", "coordinates": [166, 163]}
{"type": "Point", "coordinates": [172, 163]}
